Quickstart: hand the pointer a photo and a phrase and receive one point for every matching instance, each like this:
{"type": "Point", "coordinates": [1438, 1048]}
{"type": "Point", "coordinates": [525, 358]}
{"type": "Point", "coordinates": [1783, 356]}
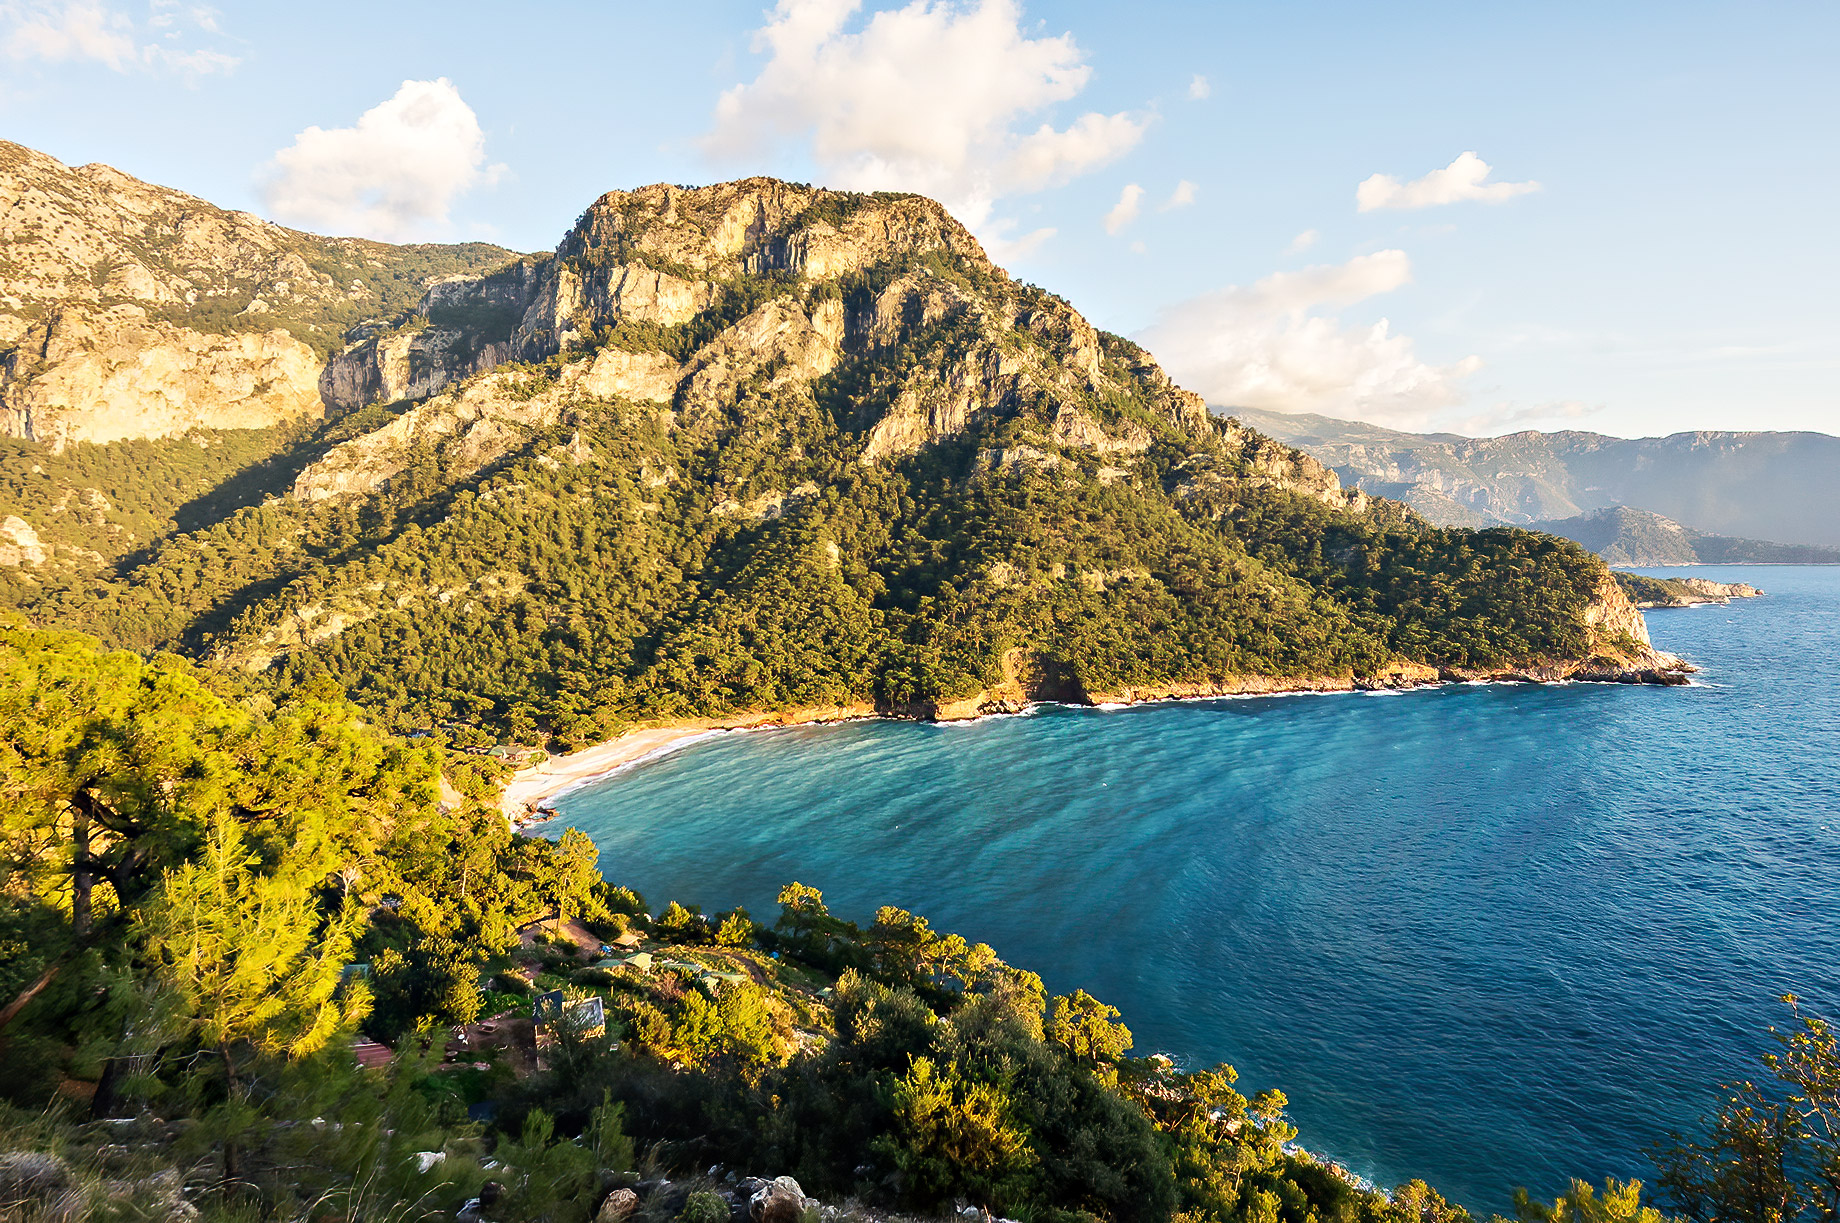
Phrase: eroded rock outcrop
{"type": "Point", "coordinates": [19, 544]}
{"type": "Point", "coordinates": [131, 310]}
{"type": "Point", "coordinates": [102, 375]}
{"type": "Point", "coordinates": [702, 298]}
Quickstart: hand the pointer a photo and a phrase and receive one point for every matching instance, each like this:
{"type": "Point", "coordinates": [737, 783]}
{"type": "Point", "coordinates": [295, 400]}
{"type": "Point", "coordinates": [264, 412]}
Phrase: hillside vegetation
{"type": "Point", "coordinates": [209, 896]}
{"type": "Point", "coordinates": [768, 448]}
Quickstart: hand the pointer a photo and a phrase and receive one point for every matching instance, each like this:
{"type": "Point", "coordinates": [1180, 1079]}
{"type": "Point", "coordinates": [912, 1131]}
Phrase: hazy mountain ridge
{"type": "Point", "coordinates": [1625, 536]}
{"type": "Point", "coordinates": [1748, 485]}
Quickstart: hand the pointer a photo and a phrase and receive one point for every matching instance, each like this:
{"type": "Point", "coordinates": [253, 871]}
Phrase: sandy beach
{"type": "Point", "coordinates": [529, 788]}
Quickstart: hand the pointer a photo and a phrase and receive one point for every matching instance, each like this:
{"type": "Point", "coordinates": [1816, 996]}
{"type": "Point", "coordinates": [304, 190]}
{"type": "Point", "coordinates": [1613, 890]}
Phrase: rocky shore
{"type": "Point", "coordinates": [1650, 593]}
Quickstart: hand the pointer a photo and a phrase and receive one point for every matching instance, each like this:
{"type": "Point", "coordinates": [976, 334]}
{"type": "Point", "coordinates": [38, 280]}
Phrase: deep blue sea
{"type": "Point", "coordinates": [1489, 935]}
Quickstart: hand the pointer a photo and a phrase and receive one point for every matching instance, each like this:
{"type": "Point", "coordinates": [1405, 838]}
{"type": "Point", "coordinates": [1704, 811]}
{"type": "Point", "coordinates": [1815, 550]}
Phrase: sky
{"type": "Point", "coordinates": [1477, 218]}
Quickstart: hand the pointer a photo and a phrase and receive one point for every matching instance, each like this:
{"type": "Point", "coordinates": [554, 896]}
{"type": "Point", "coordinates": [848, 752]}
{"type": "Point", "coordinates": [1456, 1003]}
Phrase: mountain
{"type": "Point", "coordinates": [1624, 536]}
{"type": "Point", "coordinates": [134, 311]}
{"type": "Point", "coordinates": [760, 446]}
{"type": "Point", "coordinates": [1763, 486]}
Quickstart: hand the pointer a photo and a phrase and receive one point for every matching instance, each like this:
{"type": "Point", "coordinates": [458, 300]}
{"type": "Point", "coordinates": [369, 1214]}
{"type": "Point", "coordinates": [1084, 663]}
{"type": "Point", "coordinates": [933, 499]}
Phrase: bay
{"type": "Point", "coordinates": [1488, 935]}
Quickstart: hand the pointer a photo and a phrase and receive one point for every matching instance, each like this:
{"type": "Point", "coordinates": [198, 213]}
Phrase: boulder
{"type": "Point", "coordinates": [27, 1176]}
{"type": "Point", "coordinates": [620, 1205]}
{"type": "Point", "coordinates": [778, 1201]}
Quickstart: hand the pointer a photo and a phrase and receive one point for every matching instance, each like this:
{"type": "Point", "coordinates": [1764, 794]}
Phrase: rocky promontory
{"type": "Point", "coordinates": [1649, 592]}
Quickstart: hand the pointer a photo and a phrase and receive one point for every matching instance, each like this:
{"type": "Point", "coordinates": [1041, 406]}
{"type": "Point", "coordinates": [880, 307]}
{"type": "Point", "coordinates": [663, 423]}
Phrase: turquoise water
{"type": "Point", "coordinates": [1488, 935]}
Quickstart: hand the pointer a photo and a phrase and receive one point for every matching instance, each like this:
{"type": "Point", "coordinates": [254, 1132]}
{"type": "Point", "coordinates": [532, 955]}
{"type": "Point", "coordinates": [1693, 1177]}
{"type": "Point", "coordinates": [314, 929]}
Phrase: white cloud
{"type": "Point", "coordinates": [1463, 179]}
{"type": "Point", "coordinates": [1004, 249]}
{"type": "Point", "coordinates": [1198, 88]}
{"type": "Point", "coordinates": [62, 33]}
{"type": "Point", "coordinates": [201, 62]}
{"type": "Point", "coordinates": [393, 175]}
{"type": "Point", "coordinates": [1267, 347]}
{"type": "Point", "coordinates": [1126, 209]}
{"type": "Point", "coordinates": [1181, 197]}
{"type": "Point", "coordinates": [931, 97]}
{"type": "Point", "coordinates": [1303, 242]}
{"type": "Point", "coordinates": [75, 31]}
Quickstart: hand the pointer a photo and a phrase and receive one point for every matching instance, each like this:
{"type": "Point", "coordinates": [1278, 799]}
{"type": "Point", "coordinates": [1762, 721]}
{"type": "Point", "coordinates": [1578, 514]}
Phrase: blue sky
{"type": "Point", "coordinates": [1652, 247]}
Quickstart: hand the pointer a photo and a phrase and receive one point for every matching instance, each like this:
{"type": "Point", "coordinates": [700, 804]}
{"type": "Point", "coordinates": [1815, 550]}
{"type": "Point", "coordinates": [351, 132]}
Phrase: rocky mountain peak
{"type": "Point", "coordinates": [747, 296]}
{"type": "Point", "coordinates": [760, 225]}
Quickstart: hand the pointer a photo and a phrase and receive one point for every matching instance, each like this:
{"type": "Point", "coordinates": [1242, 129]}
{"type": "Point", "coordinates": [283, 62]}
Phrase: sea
{"type": "Point", "coordinates": [1487, 935]}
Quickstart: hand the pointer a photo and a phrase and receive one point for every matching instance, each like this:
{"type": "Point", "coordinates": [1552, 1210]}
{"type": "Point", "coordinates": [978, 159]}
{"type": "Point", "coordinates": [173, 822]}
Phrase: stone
{"type": "Point", "coordinates": [19, 544]}
{"type": "Point", "coordinates": [778, 1201]}
{"type": "Point", "coordinates": [30, 1176]}
{"type": "Point", "coordinates": [618, 1205]}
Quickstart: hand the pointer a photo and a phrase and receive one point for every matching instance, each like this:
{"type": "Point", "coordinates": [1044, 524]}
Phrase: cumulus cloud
{"type": "Point", "coordinates": [1303, 242]}
{"type": "Point", "coordinates": [933, 97]}
{"type": "Point", "coordinates": [1198, 88]}
{"type": "Point", "coordinates": [1126, 209]}
{"type": "Point", "coordinates": [1268, 347]}
{"type": "Point", "coordinates": [1466, 178]}
{"type": "Point", "coordinates": [1181, 197]}
{"type": "Point", "coordinates": [77, 31]}
{"type": "Point", "coordinates": [393, 175]}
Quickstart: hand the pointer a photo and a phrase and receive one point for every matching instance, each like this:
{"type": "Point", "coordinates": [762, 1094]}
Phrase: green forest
{"type": "Point", "coordinates": [212, 897]}
{"type": "Point", "coordinates": [609, 570]}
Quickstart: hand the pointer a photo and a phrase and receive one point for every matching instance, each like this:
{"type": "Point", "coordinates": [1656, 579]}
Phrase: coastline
{"type": "Point", "coordinates": [528, 793]}
{"type": "Point", "coordinates": [529, 789]}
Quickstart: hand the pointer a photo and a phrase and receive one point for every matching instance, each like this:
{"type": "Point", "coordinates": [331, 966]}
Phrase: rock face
{"type": "Point", "coordinates": [1721, 592]}
{"type": "Point", "coordinates": [19, 544]}
{"type": "Point", "coordinates": [693, 298]}
{"type": "Point", "coordinates": [104, 375]}
{"type": "Point", "coordinates": [130, 310]}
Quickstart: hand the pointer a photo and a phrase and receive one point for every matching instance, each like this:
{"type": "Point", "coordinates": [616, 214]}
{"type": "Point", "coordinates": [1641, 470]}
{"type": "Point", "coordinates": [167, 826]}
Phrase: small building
{"type": "Point", "coordinates": [584, 1018]}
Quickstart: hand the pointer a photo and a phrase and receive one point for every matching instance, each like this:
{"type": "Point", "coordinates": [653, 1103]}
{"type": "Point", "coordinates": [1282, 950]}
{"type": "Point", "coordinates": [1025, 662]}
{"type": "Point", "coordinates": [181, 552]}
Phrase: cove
{"type": "Point", "coordinates": [1488, 935]}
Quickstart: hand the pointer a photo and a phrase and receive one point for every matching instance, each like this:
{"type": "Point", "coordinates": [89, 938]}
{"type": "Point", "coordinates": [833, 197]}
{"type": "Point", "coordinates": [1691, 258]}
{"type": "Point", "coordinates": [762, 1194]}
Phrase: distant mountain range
{"type": "Point", "coordinates": [1749, 486]}
{"type": "Point", "coordinates": [1641, 538]}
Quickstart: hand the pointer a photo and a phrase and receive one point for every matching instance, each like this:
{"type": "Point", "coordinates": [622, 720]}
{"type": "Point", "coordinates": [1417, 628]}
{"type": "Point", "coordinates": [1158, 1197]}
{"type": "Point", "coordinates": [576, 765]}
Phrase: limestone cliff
{"type": "Point", "coordinates": [131, 310]}
{"type": "Point", "coordinates": [103, 375]}
{"type": "Point", "coordinates": [689, 298]}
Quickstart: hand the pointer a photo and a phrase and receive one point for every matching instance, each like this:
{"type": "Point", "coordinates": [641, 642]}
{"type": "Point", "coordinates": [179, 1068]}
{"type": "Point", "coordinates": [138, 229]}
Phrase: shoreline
{"type": "Point", "coordinates": [527, 795]}
{"type": "Point", "coordinates": [531, 789]}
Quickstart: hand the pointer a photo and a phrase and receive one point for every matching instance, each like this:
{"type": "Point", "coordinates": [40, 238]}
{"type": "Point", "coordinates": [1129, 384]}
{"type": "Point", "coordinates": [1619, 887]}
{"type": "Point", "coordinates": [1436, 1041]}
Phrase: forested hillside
{"type": "Point", "coordinates": [762, 447]}
{"type": "Point", "coordinates": [209, 897]}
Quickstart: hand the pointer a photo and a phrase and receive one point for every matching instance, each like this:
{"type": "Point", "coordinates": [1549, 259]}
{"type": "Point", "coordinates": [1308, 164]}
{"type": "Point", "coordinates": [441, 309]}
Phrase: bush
{"type": "Point", "coordinates": [703, 1207]}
